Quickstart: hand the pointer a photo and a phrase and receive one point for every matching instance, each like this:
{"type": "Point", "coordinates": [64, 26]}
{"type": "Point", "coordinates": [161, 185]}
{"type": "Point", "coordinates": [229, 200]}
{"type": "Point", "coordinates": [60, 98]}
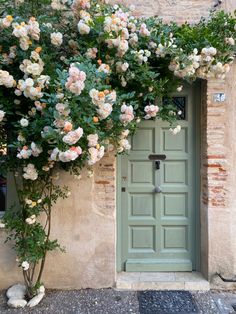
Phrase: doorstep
{"type": "Point", "coordinates": [161, 281]}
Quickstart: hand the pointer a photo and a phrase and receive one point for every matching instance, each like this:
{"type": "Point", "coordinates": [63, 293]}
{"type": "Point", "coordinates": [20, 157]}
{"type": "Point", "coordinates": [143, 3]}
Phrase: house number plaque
{"type": "Point", "coordinates": [219, 97]}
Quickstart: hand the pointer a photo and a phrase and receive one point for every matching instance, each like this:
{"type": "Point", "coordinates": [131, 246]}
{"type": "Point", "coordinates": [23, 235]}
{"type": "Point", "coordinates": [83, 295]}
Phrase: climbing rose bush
{"type": "Point", "coordinates": [74, 84]}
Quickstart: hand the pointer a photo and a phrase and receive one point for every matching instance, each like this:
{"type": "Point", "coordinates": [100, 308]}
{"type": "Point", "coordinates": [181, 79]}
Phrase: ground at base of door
{"type": "Point", "coordinates": [110, 301]}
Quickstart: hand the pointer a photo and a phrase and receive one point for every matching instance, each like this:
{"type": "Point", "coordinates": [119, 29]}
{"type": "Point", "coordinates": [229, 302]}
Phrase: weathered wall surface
{"type": "Point", "coordinates": [220, 166]}
{"type": "Point", "coordinates": [85, 225]}
{"type": "Point", "coordinates": [172, 10]}
{"type": "Point", "coordinates": [86, 222]}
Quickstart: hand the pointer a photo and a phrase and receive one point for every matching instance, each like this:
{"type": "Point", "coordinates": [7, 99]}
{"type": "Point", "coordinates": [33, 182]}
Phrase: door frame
{"type": "Point", "coordinates": [196, 112]}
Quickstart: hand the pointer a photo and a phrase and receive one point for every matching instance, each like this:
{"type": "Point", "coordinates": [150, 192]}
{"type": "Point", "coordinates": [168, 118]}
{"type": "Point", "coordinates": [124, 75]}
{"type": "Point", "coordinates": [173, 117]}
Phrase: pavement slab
{"type": "Point", "coordinates": [111, 301]}
{"type": "Point", "coordinates": [87, 301]}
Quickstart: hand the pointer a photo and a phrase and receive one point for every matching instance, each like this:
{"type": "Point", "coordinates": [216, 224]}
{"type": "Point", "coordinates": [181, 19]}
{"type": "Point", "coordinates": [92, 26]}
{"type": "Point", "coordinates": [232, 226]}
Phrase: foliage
{"type": "Point", "coordinates": [76, 78]}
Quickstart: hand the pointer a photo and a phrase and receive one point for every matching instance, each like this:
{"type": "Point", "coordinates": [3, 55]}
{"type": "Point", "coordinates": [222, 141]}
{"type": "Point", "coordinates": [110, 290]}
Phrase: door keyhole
{"type": "Point", "coordinates": [157, 164]}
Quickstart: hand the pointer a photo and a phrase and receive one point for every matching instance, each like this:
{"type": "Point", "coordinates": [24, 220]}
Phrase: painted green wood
{"type": "Point", "coordinates": [154, 265]}
{"type": "Point", "coordinates": [156, 231]}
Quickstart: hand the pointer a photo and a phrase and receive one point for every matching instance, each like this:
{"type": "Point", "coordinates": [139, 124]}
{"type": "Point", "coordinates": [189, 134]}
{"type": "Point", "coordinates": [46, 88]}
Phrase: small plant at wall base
{"type": "Point", "coordinates": [74, 84]}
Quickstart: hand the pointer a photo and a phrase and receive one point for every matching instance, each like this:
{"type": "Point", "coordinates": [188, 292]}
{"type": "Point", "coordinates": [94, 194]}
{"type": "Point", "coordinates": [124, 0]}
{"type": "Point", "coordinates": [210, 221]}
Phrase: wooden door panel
{"type": "Point", "coordinates": [174, 172]}
{"type": "Point", "coordinates": [142, 239]}
{"type": "Point", "coordinates": [157, 229]}
{"type": "Point", "coordinates": [142, 205]}
{"type": "Point", "coordinates": [141, 172]}
{"type": "Point", "coordinates": [174, 205]}
{"type": "Point", "coordinates": [143, 141]}
{"type": "Point", "coordinates": [177, 143]}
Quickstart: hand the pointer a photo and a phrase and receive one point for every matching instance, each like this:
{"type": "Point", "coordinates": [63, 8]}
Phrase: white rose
{"type": "Point", "coordinates": [24, 122]}
{"type": "Point", "coordinates": [30, 173]}
{"type": "Point", "coordinates": [83, 28]}
{"type": "Point", "coordinates": [2, 114]}
{"type": "Point", "coordinates": [93, 140]}
{"type": "Point", "coordinates": [35, 69]}
{"type": "Point", "coordinates": [56, 39]}
{"type": "Point", "coordinates": [179, 89]}
{"type": "Point", "coordinates": [25, 265]}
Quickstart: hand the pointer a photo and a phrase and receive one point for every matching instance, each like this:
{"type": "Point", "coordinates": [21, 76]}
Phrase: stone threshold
{"type": "Point", "coordinates": [161, 281]}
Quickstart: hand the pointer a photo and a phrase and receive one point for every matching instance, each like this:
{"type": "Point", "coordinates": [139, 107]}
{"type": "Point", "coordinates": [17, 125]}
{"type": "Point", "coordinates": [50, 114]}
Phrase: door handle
{"type": "Point", "coordinates": [157, 189]}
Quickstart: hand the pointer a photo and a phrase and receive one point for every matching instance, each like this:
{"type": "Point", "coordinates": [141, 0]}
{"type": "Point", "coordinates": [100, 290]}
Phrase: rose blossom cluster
{"type": "Point", "coordinates": [91, 53]}
{"type": "Point", "coordinates": [127, 113]}
{"type": "Point", "coordinates": [6, 21]}
{"type": "Point", "coordinates": [123, 142]}
{"type": "Point", "coordinates": [26, 31]}
{"type": "Point", "coordinates": [6, 79]}
{"type": "Point", "coordinates": [200, 65]}
{"type": "Point", "coordinates": [142, 55]}
{"type": "Point", "coordinates": [151, 111]}
{"type": "Point", "coordinates": [61, 115]}
{"type": "Point", "coordinates": [29, 88]}
{"type": "Point", "coordinates": [104, 101]}
{"type": "Point", "coordinates": [144, 32]}
{"type": "Point", "coordinates": [34, 150]}
{"type": "Point", "coordinates": [84, 22]}
{"type": "Point", "coordinates": [105, 68]}
{"type": "Point", "coordinates": [73, 137]}
{"type": "Point", "coordinates": [75, 82]}
{"type": "Point", "coordinates": [70, 154]}
{"type": "Point", "coordinates": [116, 26]}
{"type": "Point", "coordinates": [121, 66]}
{"type": "Point", "coordinates": [30, 172]}
{"type": "Point", "coordinates": [31, 220]}
{"type": "Point", "coordinates": [32, 87]}
{"type": "Point", "coordinates": [34, 66]}
{"type": "Point", "coordinates": [95, 154]}
{"type": "Point", "coordinates": [92, 140]}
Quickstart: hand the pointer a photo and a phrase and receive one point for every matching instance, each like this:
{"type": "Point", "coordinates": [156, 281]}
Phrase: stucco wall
{"type": "Point", "coordinates": [85, 225]}
{"type": "Point", "coordinates": [86, 222]}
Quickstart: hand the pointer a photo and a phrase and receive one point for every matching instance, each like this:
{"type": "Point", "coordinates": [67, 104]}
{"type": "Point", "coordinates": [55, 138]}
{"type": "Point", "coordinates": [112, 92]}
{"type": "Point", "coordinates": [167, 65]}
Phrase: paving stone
{"type": "Point", "coordinates": [205, 302]}
{"type": "Point", "coordinates": [88, 301]}
{"type": "Point", "coordinates": [110, 301]}
{"type": "Point", "coordinates": [224, 301]}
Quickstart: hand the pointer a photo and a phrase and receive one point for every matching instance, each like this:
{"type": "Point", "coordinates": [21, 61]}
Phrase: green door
{"type": "Point", "coordinates": [156, 218]}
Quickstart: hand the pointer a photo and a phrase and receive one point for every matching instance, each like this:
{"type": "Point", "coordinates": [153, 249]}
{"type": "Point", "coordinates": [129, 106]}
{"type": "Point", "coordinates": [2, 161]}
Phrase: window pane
{"type": "Point", "coordinates": [180, 103]}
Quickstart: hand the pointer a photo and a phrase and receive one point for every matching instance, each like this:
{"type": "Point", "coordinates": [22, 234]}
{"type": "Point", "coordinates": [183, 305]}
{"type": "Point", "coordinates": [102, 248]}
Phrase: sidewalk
{"type": "Point", "coordinates": [109, 301]}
